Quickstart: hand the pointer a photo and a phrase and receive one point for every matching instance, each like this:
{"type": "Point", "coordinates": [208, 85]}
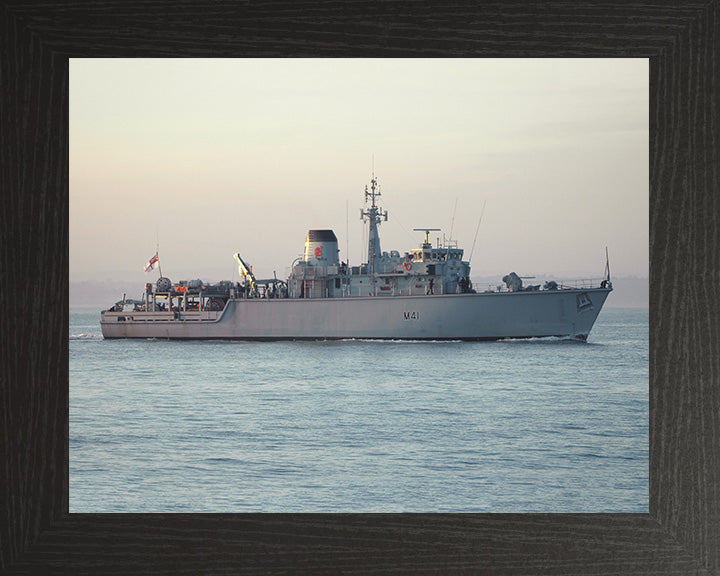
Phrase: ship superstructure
{"type": "Point", "coordinates": [424, 293]}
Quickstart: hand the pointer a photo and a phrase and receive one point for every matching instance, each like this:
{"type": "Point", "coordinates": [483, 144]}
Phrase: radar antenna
{"type": "Point", "coordinates": [427, 231]}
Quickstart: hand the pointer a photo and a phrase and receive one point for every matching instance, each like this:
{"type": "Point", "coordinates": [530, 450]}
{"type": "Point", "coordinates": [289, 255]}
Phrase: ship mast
{"type": "Point", "coordinates": [374, 215]}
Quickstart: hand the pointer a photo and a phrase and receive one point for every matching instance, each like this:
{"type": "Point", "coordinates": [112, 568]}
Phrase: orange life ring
{"type": "Point", "coordinates": [407, 266]}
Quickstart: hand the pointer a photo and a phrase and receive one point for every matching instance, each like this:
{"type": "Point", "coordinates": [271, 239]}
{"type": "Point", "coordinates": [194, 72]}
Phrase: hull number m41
{"type": "Point", "coordinates": [411, 315]}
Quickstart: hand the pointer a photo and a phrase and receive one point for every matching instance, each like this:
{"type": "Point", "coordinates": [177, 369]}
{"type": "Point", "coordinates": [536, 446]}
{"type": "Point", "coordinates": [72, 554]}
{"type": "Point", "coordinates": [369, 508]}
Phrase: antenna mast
{"type": "Point", "coordinates": [452, 224]}
{"type": "Point", "coordinates": [374, 215]}
{"type": "Point", "coordinates": [476, 231]}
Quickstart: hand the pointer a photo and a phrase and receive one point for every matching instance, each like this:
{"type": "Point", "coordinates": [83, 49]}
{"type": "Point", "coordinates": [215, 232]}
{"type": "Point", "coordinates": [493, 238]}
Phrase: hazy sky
{"type": "Point", "coordinates": [223, 156]}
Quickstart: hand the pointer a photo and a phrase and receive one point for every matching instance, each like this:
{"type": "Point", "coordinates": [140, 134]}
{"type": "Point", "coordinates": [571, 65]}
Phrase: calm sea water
{"type": "Point", "coordinates": [541, 425]}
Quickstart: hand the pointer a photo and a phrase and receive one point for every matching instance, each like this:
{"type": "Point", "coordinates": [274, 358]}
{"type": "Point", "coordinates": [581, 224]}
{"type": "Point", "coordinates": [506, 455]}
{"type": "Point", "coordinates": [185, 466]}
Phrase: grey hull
{"type": "Point", "coordinates": [484, 316]}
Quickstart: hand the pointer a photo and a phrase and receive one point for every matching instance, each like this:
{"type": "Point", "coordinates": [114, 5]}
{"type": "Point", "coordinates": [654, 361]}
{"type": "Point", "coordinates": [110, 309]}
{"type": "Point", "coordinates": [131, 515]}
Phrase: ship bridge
{"type": "Point", "coordinates": [439, 254]}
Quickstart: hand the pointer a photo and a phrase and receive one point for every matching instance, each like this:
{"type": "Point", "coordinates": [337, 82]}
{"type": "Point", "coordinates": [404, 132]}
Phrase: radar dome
{"type": "Point", "coordinates": [163, 284]}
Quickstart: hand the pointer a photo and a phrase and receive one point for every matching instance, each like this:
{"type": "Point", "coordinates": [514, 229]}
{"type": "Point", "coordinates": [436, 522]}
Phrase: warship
{"type": "Point", "coordinates": [423, 294]}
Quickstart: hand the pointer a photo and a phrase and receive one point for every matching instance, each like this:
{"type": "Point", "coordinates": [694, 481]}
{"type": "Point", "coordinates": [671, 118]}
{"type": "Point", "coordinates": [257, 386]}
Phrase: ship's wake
{"type": "Point", "coordinates": [86, 337]}
{"type": "Point", "coordinates": [397, 341]}
{"type": "Point", "coordinates": [545, 340]}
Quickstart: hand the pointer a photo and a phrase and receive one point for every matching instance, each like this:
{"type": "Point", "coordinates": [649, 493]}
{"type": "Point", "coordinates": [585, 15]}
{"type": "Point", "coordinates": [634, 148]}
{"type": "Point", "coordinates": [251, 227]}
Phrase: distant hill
{"type": "Point", "coordinates": [101, 294]}
{"type": "Point", "coordinates": [629, 291]}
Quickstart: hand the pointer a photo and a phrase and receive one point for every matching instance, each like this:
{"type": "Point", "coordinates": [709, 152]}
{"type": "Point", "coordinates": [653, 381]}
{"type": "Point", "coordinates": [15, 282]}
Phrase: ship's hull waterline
{"type": "Point", "coordinates": [479, 316]}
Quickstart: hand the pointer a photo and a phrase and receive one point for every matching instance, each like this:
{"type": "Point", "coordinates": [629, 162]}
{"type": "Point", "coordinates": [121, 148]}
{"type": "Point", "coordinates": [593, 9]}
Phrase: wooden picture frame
{"type": "Point", "coordinates": [681, 532]}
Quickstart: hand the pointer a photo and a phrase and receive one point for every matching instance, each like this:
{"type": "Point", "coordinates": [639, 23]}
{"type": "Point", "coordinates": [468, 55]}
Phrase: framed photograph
{"type": "Point", "coordinates": [675, 532]}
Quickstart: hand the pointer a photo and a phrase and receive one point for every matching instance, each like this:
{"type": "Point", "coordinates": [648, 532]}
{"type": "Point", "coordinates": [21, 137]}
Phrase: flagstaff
{"type": "Point", "coordinates": [157, 249]}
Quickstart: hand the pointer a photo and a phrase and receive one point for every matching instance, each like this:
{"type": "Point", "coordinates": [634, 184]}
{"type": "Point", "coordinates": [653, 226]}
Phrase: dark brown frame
{"type": "Point", "coordinates": [681, 533]}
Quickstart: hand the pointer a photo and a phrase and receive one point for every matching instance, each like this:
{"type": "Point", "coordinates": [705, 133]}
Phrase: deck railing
{"type": "Point", "coordinates": [579, 284]}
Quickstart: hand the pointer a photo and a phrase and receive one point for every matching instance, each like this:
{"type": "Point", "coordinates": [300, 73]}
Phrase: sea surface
{"type": "Point", "coordinates": [539, 425]}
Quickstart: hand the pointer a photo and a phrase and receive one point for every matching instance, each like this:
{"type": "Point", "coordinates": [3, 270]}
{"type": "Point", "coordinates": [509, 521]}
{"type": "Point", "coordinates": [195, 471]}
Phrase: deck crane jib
{"type": "Point", "coordinates": [246, 270]}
